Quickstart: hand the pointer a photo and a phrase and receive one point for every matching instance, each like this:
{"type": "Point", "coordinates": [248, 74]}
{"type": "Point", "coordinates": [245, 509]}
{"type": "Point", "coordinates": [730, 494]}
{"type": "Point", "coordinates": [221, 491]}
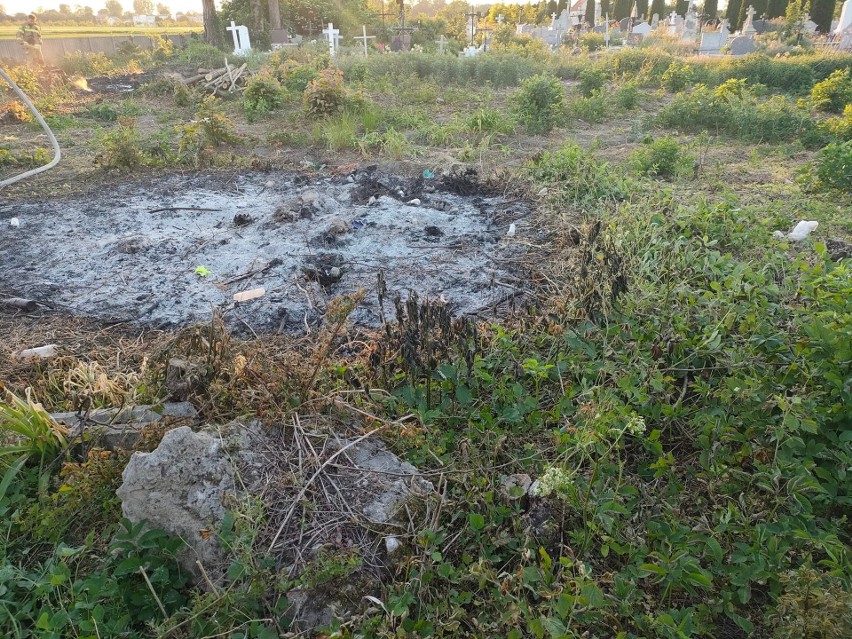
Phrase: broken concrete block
{"type": "Point", "coordinates": [183, 487]}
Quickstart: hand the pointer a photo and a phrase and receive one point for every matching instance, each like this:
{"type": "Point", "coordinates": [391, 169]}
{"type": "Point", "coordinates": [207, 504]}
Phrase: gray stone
{"type": "Point", "coordinates": [183, 486]}
{"type": "Point", "coordinates": [838, 249]}
{"type": "Point", "coordinates": [742, 45]}
{"type": "Point", "coordinates": [120, 428]}
{"type": "Point", "coordinates": [516, 486]}
{"type": "Point", "coordinates": [386, 483]}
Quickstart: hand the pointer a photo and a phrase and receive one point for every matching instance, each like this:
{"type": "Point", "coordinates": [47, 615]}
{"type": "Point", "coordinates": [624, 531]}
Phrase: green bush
{"type": "Point", "coordinates": [486, 120]}
{"type": "Point", "coordinates": [576, 177]}
{"type": "Point", "coordinates": [627, 96]}
{"type": "Point", "coordinates": [839, 127]}
{"type": "Point", "coordinates": [590, 109]}
{"type": "Point", "coordinates": [200, 54]}
{"type": "Point", "coordinates": [326, 95]}
{"type": "Point", "coordinates": [592, 80]}
{"type": "Point", "coordinates": [833, 93]}
{"type": "Point", "coordinates": [678, 76]}
{"type": "Point", "coordinates": [121, 148]}
{"type": "Point", "coordinates": [663, 157]}
{"type": "Point", "coordinates": [833, 167]}
{"type": "Point", "coordinates": [540, 104]}
{"type": "Point", "coordinates": [262, 95]}
{"type": "Point", "coordinates": [736, 110]}
{"type": "Point", "coordinates": [592, 42]}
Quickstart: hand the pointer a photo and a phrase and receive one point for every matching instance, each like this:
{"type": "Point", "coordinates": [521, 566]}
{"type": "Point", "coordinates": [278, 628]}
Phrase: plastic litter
{"type": "Point", "coordinates": [414, 202]}
{"type": "Point", "coordinates": [428, 174]}
{"type": "Point", "coordinates": [357, 224]}
{"type": "Point", "coordinates": [511, 231]}
{"type": "Point", "coordinates": [800, 232]}
{"type": "Point", "coordinates": [251, 294]}
{"type": "Point", "coordinates": [43, 352]}
{"type": "Point", "coordinates": [15, 222]}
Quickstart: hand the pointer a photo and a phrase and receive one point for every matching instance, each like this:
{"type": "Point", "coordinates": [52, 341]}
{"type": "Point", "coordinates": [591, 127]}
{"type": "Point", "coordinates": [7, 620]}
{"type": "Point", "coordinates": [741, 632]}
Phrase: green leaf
{"type": "Point", "coordinates": [555, 628]}
{"type": "Point", "coordinates": [477, 521]}
{"type": "Point", "coordinates": [203, 271]}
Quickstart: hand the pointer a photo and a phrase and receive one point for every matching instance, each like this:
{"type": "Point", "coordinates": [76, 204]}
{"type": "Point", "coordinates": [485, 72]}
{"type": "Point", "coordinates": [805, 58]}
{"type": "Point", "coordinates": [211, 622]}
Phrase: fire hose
{"type": "Point", "coordinates": [57, 153]}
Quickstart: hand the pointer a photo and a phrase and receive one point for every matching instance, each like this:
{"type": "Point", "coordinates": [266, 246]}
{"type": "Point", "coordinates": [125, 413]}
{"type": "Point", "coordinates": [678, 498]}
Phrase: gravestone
{"type": "Point", "coordinates": [845, 18]}
{"type": "Point", "coordinates": [742, 45]}
{"type": "Point", "coordinates": [675, 24]}
{"type": "Point", "coordinates": [725, 27]}
{"type": "Point", "coordinates": [810, 26]}
{"type": "Point", "coordinates": [748, 25]}
{"type": "Point", "coordinates": [690, 26]}
{"type": "Point", "coordinates": [242, 44]}
{"type": "Point", "coordinates": [761, 26]}
{"type": "Point", "coordinates": [642, 29]}
{"type": "Point", "coordinates": [712, 43]}
{"type": "Point", "coordinates": [655, 21]}
{"type": "Point", "coordinates": [623, 24]}
{"type": "Point", "coordinates": [279, 37]}
{"type": "Point", "coordinates": [401, 42]}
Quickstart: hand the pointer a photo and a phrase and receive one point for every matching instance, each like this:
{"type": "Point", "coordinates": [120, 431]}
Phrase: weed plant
{"type": "Point", "coordinates": [662, 157]}
{"type": "Point", "coordinates": [540, 104]}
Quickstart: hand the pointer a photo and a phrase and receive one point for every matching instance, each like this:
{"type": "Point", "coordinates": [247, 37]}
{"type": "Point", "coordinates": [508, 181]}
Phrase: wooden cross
{"type": "Point", "coordinates": [332, 38]}
{"type": "Point", "coordinates": [364, 38]}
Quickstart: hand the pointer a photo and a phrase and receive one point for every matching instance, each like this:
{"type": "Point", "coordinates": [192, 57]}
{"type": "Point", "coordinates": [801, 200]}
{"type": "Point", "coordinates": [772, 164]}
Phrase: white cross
{"type": "Point", "coordinates": [332, 38]}
{"type": "Point", "coordinates": [441, 43]}
{"type": "Point", "coordinates": [364, 39]}
{"type": "Point", "coordinates": [241, 38]}
{"type": "Point", "coordinates": [500, 19]}
{"type": "Point", "coordinates": [553, 15]}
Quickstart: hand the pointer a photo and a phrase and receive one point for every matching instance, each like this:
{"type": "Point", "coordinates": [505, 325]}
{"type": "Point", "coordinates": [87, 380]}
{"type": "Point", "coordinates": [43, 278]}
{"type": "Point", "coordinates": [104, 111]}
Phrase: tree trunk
{"type": "Point", "coordinates": [256, 27]}
{"type": "Point", "coordinates": [589, 17]}
{"type": "Point", "coordinates": [274, 15]}
{"type": "Point", "coordinates": [212, 27]}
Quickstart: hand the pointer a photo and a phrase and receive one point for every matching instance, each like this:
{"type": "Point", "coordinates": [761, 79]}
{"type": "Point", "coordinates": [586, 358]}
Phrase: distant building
{"type": "Point", "coordinates": [145, 21]}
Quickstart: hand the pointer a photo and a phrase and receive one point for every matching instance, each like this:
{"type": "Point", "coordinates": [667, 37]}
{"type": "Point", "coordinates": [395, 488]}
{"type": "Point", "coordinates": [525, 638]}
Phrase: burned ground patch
{"type": "Point", "coordinates": [167, 251]}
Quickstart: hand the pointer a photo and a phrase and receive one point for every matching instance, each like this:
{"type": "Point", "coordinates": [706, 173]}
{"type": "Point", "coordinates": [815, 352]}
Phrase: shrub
{"type": "Point", "coordinates": [487, 120]}
{"type": "Point", "coordinates": [841, 126]}
{"type": "Point", "coordinates": [198, 53]}
{"type": "Point", "coordinates": [262, 95]}
{"type": "Point", "coordinates": [295, 77]}
{"type": "Point", "coordinates": [592, 42]}
{"type": "Point", "coordinates": [86, 64]}
{"type": "Point", "coordinates": [577, 177]}
{"type": "Point", "coordinates": [121, 148]}
{"type": "Point", "coordinates": [677, 77]}
{"type": "Point", "coordinates": [326, 94]}
{"type": "Point", "coordinates": [833, 93]}
{"type": "Point", "coordinates": [540, 104]}
{"type": "Point", "coordinates": [209, 129]}
{"type": "Point", "coordinates": [734, 109]}
{"type": "Point", "coordinates": [663, 157]}
{"type": "Point", "coordinates": [592, 80]}
{"type": "Point", "coordinates": [589, 109]}
{"type": "Point", "coordinates": [833, 167]}
{"type": "Point", "coordinates": [627, 96]}
{"type": "Point", "coordinates": [103, 111]}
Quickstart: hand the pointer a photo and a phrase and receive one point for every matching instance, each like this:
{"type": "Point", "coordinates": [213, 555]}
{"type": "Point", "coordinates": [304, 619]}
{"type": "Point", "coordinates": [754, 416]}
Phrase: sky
{"type": "Point", "coordinates": [22, 6]}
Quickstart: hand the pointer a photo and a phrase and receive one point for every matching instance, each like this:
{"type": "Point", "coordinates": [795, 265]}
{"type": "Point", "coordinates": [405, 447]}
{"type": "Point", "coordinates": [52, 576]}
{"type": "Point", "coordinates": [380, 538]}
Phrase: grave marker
{"type": "Point", "coordinates": [364, 38]}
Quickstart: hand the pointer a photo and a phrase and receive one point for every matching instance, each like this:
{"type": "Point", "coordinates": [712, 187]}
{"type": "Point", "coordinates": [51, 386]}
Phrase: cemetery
{"type": "Point", "coordinates": [431, 319]}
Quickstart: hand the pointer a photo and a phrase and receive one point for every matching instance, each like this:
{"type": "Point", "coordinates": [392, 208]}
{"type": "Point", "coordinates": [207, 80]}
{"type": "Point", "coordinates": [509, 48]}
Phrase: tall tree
{"type": "Point", "coordinates": [822, 11]}
{"type": "Point", "coordinates": [605, 8]}
{"type": "Point", "coordinates": [256, 26]}
{"type": "Point", "coordinates": [163, 10]}
{"type": "Point", "coordinates": [658, 7]}
{"type": "Point", "coordinates": [212, 27]}
{"type": "Point", "coordinates": [589, 16]}
{"type": "Point", "coordinates": [114, 8]}
{"type": "Point", "coordinates": [711, 9]}
{"type": "Point", "coordinates": [733, 14]}
{"type": "Point", "coordinates": [681, 7]}
{"type": "Point", "coordinates": [622, 9]}
{"type": "Point", "coordinates": [642, 9]}
{"type": "Point", "coordinates": [143, 7]}
{"type": "Point", "coordinates": [776, 9]}
{"type": "Point", "coordinates": [274, 14]}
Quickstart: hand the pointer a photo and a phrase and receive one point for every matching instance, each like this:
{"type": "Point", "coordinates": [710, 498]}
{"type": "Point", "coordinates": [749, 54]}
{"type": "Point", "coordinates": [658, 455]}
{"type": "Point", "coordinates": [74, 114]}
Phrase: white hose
{"type": "Point", "coordinates": [57, 154]}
